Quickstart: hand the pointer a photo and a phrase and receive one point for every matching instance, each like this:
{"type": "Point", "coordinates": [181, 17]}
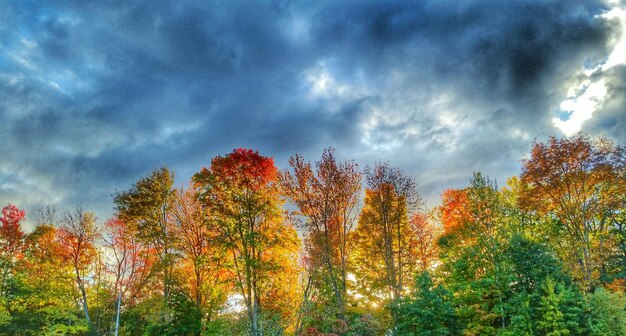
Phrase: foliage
{"type": "Point", "coordinates": [241, 194]}
{"type": "Point", "coordinates": [561, 310]}
{"type": "Point", "coordinates": [546, 255]}
{"type": "Point", "coordinates": [146, 206]}
{"type": "Point", "coordinates": [607, 313]}
{"type": "Point", "coordinates": [428, 311]}
{"type": "Point", "coordinates": [580, 183]}
{"type": "Point", "coordinates": [326, 199]}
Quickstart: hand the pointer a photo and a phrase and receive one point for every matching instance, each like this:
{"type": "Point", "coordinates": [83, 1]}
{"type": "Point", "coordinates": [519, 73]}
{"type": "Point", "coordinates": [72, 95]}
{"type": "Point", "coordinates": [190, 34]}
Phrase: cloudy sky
{"type": "Point", "coordinates": [96, 94]}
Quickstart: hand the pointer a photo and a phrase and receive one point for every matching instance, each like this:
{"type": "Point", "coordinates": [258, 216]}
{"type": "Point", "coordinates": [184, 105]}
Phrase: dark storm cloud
{"type": "Point", "coordinates": [94, 95]}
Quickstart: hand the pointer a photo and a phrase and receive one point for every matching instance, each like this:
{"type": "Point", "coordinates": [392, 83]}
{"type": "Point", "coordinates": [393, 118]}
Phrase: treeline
{"type": "Point", "coordinates": [327, 248]}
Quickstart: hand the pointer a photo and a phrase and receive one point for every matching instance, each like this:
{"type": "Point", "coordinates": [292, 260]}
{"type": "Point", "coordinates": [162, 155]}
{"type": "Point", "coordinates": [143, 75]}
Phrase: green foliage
{"type": "Point", "coordinates": [428, 312]}
{"type": "Point", "coordinates": [561, 310]}
{"type": "Point", "coordinates": [5, 315]}
{"type": "Point", "coordinates": [532, 262]}
{"type": "Point", "coordinates": [227, 324]}
{"type": "Point", "coordinates": [552, 318]}
{"type": "Point", "coordinates": [179, 316]}
{"type": "Point", "coordinates": [519, 309]}
{"type": "Point", "coordinates": [607, 313]}
{"type": "Point", "coordinates": [512, 262]}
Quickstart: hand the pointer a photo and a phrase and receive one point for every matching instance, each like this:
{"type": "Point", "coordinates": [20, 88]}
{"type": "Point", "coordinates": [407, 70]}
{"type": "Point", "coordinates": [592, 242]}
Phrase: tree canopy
{"type": "Point", "coordinates": [317, 250]}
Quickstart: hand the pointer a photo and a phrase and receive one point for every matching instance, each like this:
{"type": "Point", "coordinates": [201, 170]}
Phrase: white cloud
{"type": "Point", "coordinates": [618, 55]}
{"type": "Point", "coordinates": [580, 106]}
{"type": "Point", "coordinates": [323, 85]}
{"type": "Point", "coordinates": [585, 98]}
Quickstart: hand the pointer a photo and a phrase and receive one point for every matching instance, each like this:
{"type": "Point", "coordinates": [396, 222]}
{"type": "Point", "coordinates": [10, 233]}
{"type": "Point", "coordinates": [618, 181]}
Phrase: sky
{"type": "Point", "coordinates": [96, 94]}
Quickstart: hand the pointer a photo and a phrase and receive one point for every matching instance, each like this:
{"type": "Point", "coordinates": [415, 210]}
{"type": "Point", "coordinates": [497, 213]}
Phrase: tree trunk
{"type": "Point", "coordinates": [83, 292]}
{"type": "Point", "coordinates": [117, 315]}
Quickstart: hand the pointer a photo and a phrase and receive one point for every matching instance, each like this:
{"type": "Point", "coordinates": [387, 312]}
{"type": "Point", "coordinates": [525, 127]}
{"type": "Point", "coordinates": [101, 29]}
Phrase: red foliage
{"type": "Point", "coordinates": [133, 260]}
{"type": "Point", "coordinates": [10, 233]}
{"type": "Point", "coordinates": [244, 167]}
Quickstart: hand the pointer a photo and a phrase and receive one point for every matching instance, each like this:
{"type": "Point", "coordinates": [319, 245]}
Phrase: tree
{"type": "Point", "coordinates": [384, 225]}
{"type": "Point", "coordinates": [131, 264]}
{"type": "Point", "coordinates": [532, 264]}
{"type": "Point", "coordinates": [11, 253]}
{"type": "Point", "coordinates": [561, 310]}
{"type": "Point", "coordinates": [326, 199]}
{"type": "Point", "coordinates": [423, 241]}
{"type": "Point", "coordinates": [203, 261]}
{"type": "Point", "coordinates": [146, 205]}
{"type": "Point", "coordinates": [11, 234]}
{"type": "Point", "coordinates": [608, 313]}
{"type": "Point", "coordinates": [472, 260]}
{"type": "Point", "coordinates": [41, 300]}
{"type": "Point", "coordinates": [580, 183]}
{"type": "Point", "coordinates": [428, 311]}
{"type": "Point", "coordinates": [11, 243]}
{"type": "Point", "coordinates": [454, 210]}
{"type": "Point", "coordinates": [615, 260]}
{"type": "Point", "coordinates": [240, 193]}
{"type": "Point", "coordinates": [77, 235]}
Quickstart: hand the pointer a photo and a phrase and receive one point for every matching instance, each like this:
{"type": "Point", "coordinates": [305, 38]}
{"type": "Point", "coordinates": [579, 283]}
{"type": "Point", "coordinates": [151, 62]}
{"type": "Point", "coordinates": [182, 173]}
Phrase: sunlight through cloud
{"type": "Point", "coordinates": [585, 98]}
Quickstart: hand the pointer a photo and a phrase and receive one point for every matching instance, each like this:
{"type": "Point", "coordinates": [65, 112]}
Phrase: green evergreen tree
{"type": "Point", "coordinates": [428, 312]}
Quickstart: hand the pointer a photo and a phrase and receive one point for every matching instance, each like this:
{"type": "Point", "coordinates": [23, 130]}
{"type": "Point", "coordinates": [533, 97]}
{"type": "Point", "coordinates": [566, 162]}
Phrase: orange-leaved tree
{"type": "Point", "coordinates": [326, 197]}
{"type": "Point", "coordinates": [454, 209]}
{"type": "Point", "coordinates": [240, 193]}
{"type": "Point", "coordinates": [423, 240]}
{"type": "Point", "coordinates": [580, 183]}
{"type": "Point", "coordinates": [77, 236]}
{"type": "Point", "coordinates": [203, 262]}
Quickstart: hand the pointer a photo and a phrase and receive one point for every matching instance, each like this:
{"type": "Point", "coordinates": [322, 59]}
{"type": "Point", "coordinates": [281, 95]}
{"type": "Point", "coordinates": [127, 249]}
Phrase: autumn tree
{"type": "Point", "coordinates": [11, 234]}
{"type": "Point", "coordinates": [41, 298]}
{"type": "Point", "coordinates": [580, 183]}
{"type": "Point", "coordinates": [471, 253]}
{"type": "Point", "coordinates": [11, 241]}
{"type": "Point", "coordinates": [616, 259]}
{"type": "Point", "coordinates": [146, 206]}
{"type": "Point", "coordinates": [384, 226]}
{"type": "Point", "coordinates": [454, 209]}
{"type": "Point", "coordinates": [203, 262]}
{"type": "Point", "coordinates": [422, 243]}
{"type": "Point", "coordinates": [77, 235]}
{"type": "Point", "coordinates": [11, 248]}
{"type": "Point", "coordinates": [240, 193]}
{"type": "Point", "coordinates": [131, 262]}
{"type": "Point", "coordinates": [326, 198]}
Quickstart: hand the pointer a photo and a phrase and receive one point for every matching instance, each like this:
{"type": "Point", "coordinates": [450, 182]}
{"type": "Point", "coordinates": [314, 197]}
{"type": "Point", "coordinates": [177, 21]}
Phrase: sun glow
{"type": "Point", "coordinates": [585, 97]}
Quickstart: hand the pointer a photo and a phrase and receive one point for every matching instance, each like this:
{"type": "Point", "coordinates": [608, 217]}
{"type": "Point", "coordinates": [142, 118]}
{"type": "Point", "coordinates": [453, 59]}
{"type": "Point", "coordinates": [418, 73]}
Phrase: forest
{"type": "Point", "coordinates": [327, 247]}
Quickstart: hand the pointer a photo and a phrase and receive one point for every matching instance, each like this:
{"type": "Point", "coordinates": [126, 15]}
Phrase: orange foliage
{"type": "Point", "coordinates": [240, 196]}
{"type": "Point", "coordinates": [423, 240]}
{"type": "Point", "coordinates": [454, 210]}
{"type": "Point", "coordinates": [579, 181]}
